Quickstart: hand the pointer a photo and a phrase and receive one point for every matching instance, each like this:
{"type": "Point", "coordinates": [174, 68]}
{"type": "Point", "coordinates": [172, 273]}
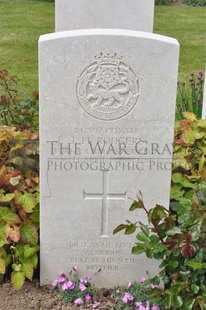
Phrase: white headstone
{"type": "Point", "coordinates": [204, 100]}
{"type": "Point", "coordinates": [114, 14]}
{"type": "Point", "coordinates": [107, 106]}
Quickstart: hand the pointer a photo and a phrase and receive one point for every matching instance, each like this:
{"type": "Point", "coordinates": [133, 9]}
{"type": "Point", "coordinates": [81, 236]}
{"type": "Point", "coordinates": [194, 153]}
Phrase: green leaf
{"type": "Point", "coordinates": [30, 251]}
{"type": "Point", "coordinates": [2, 236]}
{"type": "Point", "coordinates": [144, 229]}
{"type": "Point", "coordinates": [177, 177]}
{"type": "Point", "coordinates": [136, 205]}
{"type": "Point", "coordinates": [195, 288]}
{"type": "Point", "coordinates": [176, 191]}
{"type": "Point", "coordinates": [130, 229]}
{"type": "Point", "coordinates": [2, 266]}
{"type": "Point", "coordinates": [173, 231]}
{"type": "Point", "coordinates": [138, 249]}
{"type": "Point", "coordinates": [142, 237]}
{"type": "Point", "coordinates": [119, 228]}
{"type": "Point", "coordinates": [16, 267]}
{"type": "Point", "coordinates": [154, 240]}
{"type": "Point", "coordinates": [28, 233]}
{"type": "Point", "coordinates": [8, 216]}
{"type": "Point", "coordinates": [157, 214]}
{"type": "Point", "coordinates": [188, 136]}
{"type": "Point", "coordinates": [194, 264]}
{"type": "Point", "coordinates": [17, 279]}
{"type": "Point", "coordinates": [34, 260]}
{"type": "Point", "coordinates": [28, 270]}
{"type": "Point", "coordinates": [7, 197]}
{"type": "Point", "coordinates": [173, 264]}
{"type": "Point", "coordinates": [178, 301]}
{"type": "Point", "coordinates": [188, 304]}
{"type": "Point", "coordinates": [35, 215]}
{"type": "Point", "coordinates": [15, 180]}
{"type": "Point", "coordinates": [27, 201]}
{"type": "Point", "coordinates": [169, 300]}
{"type": "Point", "coordinates": [7, 258]}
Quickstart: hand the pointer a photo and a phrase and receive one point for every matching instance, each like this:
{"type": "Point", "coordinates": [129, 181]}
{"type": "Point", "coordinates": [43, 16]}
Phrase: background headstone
{"type": "Point", "coordinates": [115, 14]}
{"type": "Point", "coordinates": [204, 100]}
{"type": "Point", "coordinates": [107, 107]}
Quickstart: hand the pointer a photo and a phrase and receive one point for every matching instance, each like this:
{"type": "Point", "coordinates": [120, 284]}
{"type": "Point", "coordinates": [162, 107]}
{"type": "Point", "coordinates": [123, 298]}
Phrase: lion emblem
{"type": "Point", "coordinates": [108, 89]}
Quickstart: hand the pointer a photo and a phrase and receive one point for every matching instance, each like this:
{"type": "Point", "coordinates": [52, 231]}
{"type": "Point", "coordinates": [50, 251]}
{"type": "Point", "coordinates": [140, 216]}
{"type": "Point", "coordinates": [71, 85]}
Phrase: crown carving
{"type": "Point", "coordinates": [108, 58]}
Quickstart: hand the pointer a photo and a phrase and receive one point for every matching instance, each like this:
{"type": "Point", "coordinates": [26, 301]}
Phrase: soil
{"type": "Point", "coordinates": [34, 297]}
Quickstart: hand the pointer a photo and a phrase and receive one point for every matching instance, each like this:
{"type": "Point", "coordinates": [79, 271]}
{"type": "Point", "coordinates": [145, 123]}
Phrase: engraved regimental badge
{"type": "Point", "coordinates": [108, 89]}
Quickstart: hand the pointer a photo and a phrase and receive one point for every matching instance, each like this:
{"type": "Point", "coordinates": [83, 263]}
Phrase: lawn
{"type": "Point", "coordinates": [23, 21]}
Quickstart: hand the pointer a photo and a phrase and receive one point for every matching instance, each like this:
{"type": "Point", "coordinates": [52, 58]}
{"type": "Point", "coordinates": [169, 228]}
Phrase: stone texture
{"type": "Point", "coordinates": [107, 106]}
{"type": "Point", "coordinates": [115, 14]}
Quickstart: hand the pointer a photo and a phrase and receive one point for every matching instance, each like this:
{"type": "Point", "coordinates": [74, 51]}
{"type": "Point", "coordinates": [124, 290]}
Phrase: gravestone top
{"type": "Point", "coordinates": [107, 32]}
{"type": "Point", "coordinates": [107, 108]}
{"type": "Point", "coordinates": [115, 14]}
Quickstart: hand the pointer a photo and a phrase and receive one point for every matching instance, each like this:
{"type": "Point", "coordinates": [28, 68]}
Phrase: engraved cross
{"type": "Point", "coordinates": [104, 196]}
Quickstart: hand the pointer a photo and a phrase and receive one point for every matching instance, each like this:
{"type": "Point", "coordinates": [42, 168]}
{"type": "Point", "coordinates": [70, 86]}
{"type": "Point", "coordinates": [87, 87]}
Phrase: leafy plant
{"type": "Point", "coordinates": [19, 204]}
{"type": "Point", "coordinates": [177, 236]}
{"type": "Point", "coordinates": [189, 165]}
{"type": "Point", "coordinates": [162, 2]}
{"type": "Point", "coordinates": [196, 2]}
{"type": "Point", "coordinates": [190, 96]}
{"type": "Point", "coordinates": [15, 111]}
{"type": "Point", "coordinates": [74, 289]}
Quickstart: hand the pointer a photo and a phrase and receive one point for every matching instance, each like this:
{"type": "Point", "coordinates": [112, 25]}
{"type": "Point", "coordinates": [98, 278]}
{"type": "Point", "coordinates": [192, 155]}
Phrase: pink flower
{"type": "Point", "coordinates": [130, 297]}
{"type": "Point", "coordinates": [127, 298]}
{"type": "Point", "coordinates": [64, 287]}
{"type": "Point", "coordinates": [82, 287]}
{"type": "Point", "coordinates": [129, 285]}
{"type": "Point", "coordinates": [140, 306]}
{"type": "Point", "coordinates": [142, 280]}
{"type": "Point", "coordinates": [155, 308]}
{"type": "Point", "coordinates": [147, 305]}
{"type": "Point", "coordinates": [88, 298]}
{"type": "Point", "coordinates": [96, 305]}
{"type": "Point", "coordinates": [152, 286]}
{"type": "Point", "coordinates": [89, 277]}
{"type": "Point", "coordinates": [124, 299]}
{"type": "Point", "coordinates": [117, 291]}
{"type": "Point", "coordinates": [78, 301]}
{"type": "Point", "coordinates": [62, 278]}
{"type": "Point", "coordinates": [70, 285]}
{"type": "Point", "coordinates": [55, 283]}
{"type": "Point", "coordinates": [76, 268]}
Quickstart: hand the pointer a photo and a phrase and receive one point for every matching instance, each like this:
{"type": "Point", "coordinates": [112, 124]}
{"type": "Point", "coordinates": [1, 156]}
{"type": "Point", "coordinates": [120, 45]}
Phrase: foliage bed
{"type": "Point", "coordinates": [177, 236]}
{"type": "Point", "coordinates": [19, 204]}
{"type": "Point", "coordinates": [196, 2]}
{"type": "Point", "coordinates": [163, 2]}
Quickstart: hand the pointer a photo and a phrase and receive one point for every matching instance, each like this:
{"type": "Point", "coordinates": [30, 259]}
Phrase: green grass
{"type": "Point", "coordinates": [188, 26]}
{"type": "Point", "coordinates": [23, 21]}
{"type": "Point", "coordinates": [21, 24]}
